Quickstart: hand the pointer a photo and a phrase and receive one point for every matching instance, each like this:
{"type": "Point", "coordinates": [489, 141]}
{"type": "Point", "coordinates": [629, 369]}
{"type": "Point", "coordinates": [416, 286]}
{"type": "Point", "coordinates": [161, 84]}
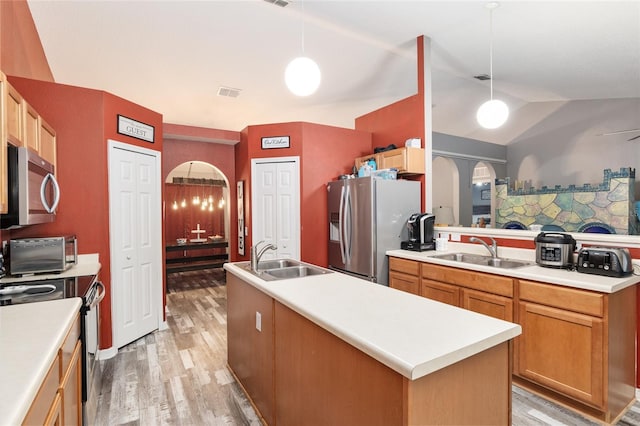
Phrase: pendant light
{"type": "Point", "coordinates": [493, 113]}
{"type": "Point", "coordinates": [302, 75]}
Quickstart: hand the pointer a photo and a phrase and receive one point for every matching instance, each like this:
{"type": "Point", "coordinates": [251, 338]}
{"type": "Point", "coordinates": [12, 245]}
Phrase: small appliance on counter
{"type": "Point", "coordinates": [42, 255]}
{"type": "Point", "coordinates": [607, 261]}
{"type": "Point", "coordinates": [420, 227]}
{"type": "Point", "coordinates": [555, 249]}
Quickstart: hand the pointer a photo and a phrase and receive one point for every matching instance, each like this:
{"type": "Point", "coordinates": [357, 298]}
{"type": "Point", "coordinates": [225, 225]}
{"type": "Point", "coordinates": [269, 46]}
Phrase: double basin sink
{"type": "Point", "coordinates": [282, 269]}
{"type": "Point", "coordinates": [478, 259]}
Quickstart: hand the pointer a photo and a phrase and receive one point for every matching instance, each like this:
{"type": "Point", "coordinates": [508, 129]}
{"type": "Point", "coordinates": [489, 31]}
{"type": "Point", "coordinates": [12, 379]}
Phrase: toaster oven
{"type": "Point", "coordinates": [42, 255]}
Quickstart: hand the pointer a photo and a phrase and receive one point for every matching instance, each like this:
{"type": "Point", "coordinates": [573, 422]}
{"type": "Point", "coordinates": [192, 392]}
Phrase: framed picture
{"type": "Point", "coordinates": [241, 217]}
{"type": "Point", "coordinates": [485, 194]}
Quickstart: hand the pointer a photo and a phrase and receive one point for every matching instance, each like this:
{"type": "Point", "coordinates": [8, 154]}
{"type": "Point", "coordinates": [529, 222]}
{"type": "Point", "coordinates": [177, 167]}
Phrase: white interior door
{"type": "Point", "coordinates": [275, 201]}
{"type": "Point", "coordinates": [136, 250]}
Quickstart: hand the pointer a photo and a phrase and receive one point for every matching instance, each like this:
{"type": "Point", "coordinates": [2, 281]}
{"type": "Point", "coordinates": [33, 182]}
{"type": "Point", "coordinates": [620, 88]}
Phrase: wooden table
{"type": "Point", "coordinates": [190, 259]}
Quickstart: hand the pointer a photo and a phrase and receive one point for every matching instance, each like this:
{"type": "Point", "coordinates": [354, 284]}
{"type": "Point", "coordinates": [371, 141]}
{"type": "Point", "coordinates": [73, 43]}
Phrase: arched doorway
{"type": "Point", "coordinates": [483, 194]}
{"type": "Point", "coordinates": [196, 210]}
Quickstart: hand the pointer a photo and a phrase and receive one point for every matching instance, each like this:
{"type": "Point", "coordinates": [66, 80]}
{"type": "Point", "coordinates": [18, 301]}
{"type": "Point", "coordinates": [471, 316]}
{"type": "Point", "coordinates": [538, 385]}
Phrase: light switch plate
{"type": "Point", "coordinates": [258, 321]}
{"type": "Point", "coordinates": [455, 237]}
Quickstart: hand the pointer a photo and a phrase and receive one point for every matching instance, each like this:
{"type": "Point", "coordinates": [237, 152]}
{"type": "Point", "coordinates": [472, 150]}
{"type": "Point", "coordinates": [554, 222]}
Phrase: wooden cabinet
{"type": "Point", "coordinates": [31, 128]}
{"type": "Point", "coordinates": [250, 334]}
{"type": "Point", "coordinates": [406, 160]}
{"type": "Point", "coordinates": [404, 275]}
{"type": "Point", "coordinates": [476, 291]}
{"type": "Point", "coordinates": [59, 399]}
{"type": "Point", "coordinates": [25, 127]}
{"type": "Point", "coordinates": [3, 147]}
{"type": "Point", "coordinates": [445, 293]}
{"type": "Point", "coordinates": [563, 351]}
{"type": "Point", "coordinates": [44, 406]}
{"type": "Point", "coordinates": [577, 346]}
{"type": "Point", "coordinates": [47, 144]}
{"type": "Point", "coordinates": [488, 304]}
{"type": "Point", "coordinates": [14, 115]}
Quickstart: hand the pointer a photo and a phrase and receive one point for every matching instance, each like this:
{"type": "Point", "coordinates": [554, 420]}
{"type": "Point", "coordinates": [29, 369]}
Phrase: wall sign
{"type": "Point", "coordinates": [275, 142]}
{"type": "Point", "coordinates": [135, 129]}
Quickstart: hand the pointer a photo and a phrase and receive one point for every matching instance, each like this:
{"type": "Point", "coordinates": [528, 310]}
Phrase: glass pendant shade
{"type": "Point", "coordinates": [492, 114]}
{"type": "Point", "coordinates": [302, 76]}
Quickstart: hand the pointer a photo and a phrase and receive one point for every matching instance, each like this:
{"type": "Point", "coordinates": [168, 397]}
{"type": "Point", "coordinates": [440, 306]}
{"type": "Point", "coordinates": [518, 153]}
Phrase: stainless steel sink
{"type": "Point", "coordinates": [478, 259]}
{"type": "Point", "coordinates": [294, 272]}
{"type": "Point", "coordinates": [277, 264]}
{"type": "Point", "coordinates": [282, 269]}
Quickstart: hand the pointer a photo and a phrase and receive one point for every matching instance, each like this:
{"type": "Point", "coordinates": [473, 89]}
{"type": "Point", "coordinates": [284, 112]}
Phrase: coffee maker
{"type": "Point", "coordinates": [420, 227]}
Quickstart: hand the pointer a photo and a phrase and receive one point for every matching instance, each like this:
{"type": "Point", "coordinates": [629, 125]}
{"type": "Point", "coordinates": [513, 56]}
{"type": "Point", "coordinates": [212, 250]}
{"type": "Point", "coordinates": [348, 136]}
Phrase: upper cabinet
{"type": "Point", "coordinates": [47, 145]}
{"type": "Point", "coordinates": [25, 127]}
{"type": "Point", "coordinates": [14, 115]}
{"type": "Point", "coordinates": [406, 160]}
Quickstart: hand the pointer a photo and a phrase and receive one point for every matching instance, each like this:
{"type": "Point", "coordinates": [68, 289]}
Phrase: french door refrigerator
{"type": "Point", "coordinates": [367, 217]}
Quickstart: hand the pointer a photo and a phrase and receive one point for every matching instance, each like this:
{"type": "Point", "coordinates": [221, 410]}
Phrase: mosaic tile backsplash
{"type": "Point", "coordinates": [608, 207]}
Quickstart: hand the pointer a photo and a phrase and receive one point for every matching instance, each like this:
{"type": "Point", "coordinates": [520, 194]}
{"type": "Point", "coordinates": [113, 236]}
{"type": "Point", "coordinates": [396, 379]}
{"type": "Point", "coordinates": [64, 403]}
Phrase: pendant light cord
{"type": "Point", "coordinates": [491, 51]}
{"type": "Point", "coordinates": [302, 2]}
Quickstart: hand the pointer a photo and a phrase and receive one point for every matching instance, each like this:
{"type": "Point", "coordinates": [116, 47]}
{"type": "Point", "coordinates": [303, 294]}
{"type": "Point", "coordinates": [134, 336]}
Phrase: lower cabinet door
{"type": "Point", "coordinates": [404, 282]}
{"type": "Point", "coordinates": [71, 389]}
{"type": "Point", "coordinates": [488, 304]}
{"type": "Point", "coordinates": [552, 341]}
{"type": "Point", "coordinates": [445, 293]}
{"type": "Point", "coordinates": [54, 416]}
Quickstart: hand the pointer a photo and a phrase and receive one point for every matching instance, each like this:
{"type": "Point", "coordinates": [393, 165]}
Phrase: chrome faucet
{"type": "Point", "coordinates": [257, 254]}
{"type": "Point", "coordinates": [493, 249]}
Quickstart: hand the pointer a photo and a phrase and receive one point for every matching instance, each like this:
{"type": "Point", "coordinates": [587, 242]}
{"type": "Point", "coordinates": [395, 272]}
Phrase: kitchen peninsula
{"type": "Point", "coordinates": [333, 349]}
{"type": "Point", "coordinates": [577, 345]}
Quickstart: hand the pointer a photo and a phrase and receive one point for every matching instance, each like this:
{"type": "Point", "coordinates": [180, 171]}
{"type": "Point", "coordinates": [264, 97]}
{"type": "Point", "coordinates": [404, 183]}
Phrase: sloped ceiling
{"type": "Point", "coordinates": [172, 56]}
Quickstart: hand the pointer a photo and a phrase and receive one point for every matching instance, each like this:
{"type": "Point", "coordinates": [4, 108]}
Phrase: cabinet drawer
{"type": "Point", "coordinates": [441, 292]}
{"type": "Point", "coordinates": [405, 266]}
{"type": "Point", "coordinates": [404, 282]}
{"type": "Point", "coordinates": [433, 272]}
{"type": "Point", "coordinates": [488, 304]}
{"type": "Point", "coordinates": [490, 283]}
{"type": "Point", "coordinates": [571, 299]}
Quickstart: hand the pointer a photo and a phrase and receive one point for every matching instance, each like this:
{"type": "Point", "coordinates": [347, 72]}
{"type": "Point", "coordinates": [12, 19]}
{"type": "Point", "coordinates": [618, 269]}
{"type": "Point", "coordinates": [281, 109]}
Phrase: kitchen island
{"type": "Point", "coordinates": [333, 349]}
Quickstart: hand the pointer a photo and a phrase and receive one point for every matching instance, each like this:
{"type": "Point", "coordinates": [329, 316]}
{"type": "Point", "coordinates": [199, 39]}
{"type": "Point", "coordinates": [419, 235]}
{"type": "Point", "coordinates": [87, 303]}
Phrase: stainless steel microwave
{"type": "Point", "coordinates": [42, 255]}
{"type": "Point", "coordinates": [34, 192]}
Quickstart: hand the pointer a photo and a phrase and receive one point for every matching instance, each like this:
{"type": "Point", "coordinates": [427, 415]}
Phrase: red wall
{"type": "Point", "coordinates": [21, 51]}
{"type": "Point", "coordinates": [84, 119]}
{"type": "Point", "coordinates": [325, 152]}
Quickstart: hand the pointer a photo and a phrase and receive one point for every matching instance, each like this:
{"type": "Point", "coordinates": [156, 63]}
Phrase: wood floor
{"type": "Point", "coordinates": [179, 376]}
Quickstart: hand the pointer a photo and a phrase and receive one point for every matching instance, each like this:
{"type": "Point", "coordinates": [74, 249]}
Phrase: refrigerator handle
{"type": "Point", "coordinates": [348, 225]}
{"type": "Point", "coordinates": [341, 224]}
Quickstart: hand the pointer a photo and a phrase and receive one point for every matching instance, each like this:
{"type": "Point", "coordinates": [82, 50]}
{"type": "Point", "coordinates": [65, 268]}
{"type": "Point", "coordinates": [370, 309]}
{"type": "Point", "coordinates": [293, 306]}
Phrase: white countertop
{"type": "Point", "coordinates": [88, 264]}
{"type": "Point", "coordinates": [533, 272]}
{"type": "Point", "coordinates": [412, 335]}
{"type": "Point", "coordinates": [30, 336]}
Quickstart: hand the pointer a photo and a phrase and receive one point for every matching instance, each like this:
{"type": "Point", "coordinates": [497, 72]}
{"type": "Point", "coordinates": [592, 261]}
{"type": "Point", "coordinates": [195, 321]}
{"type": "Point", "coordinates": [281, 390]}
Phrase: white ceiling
{"type": "Point", "coordinates": [171, 56]}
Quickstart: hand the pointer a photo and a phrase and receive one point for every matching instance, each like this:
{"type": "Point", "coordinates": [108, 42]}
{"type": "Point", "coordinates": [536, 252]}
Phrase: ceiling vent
{"type": "Point", "coordinates": [228, 92]}
{"type": "Point", "coordinates": [482, 77]}
{"type": "Point", "coordinates": [281, 3]}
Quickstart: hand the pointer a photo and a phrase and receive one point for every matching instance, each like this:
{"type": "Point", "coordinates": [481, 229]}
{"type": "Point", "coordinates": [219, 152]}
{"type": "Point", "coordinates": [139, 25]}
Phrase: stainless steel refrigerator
{"type": "Point", "coordinates": [367, 217]}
